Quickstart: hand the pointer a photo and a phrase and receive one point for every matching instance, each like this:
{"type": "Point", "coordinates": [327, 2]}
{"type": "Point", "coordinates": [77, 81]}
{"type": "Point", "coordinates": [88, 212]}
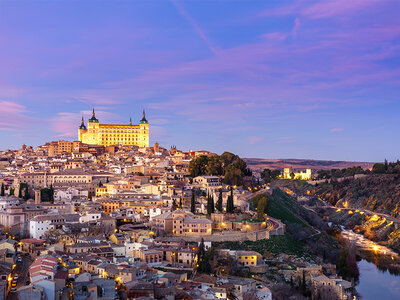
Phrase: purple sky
{"type": "Point", "coordinates": [272, 79]}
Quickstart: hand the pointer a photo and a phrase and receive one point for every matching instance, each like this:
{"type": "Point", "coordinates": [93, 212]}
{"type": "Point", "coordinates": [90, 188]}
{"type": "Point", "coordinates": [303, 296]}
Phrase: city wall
{"type": "Point", "coordinates": [238, 236]}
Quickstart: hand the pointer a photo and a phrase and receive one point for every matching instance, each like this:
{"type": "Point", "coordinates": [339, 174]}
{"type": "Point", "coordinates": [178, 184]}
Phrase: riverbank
{"type": "Point", "coordinates": [379, 268]}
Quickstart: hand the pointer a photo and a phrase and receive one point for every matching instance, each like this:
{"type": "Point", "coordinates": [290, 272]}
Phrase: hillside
{"type": "Point", "coordinates": [300, 164]}
{"type": "Point", "coordinates": [376, 192]}
{"type": "Point", "coordinates": [303, 224]}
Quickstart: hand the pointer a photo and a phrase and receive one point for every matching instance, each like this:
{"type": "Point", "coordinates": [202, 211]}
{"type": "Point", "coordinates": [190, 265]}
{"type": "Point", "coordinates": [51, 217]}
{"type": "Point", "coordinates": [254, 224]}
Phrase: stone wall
{"type": "Point", "coordinates": [238, 236]}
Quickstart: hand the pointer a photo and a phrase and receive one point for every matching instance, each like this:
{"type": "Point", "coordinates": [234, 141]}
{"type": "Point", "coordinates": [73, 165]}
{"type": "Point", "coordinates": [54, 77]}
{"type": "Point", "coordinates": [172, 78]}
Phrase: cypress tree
{"type": "Point", "coordinates": [193, 203]}
{"type": "Point", "coordinates": [20, 191]}
{"type": "Point", "coordinates": [107, 181]}
{"type": "Point", "coordinates": [229, 205]}
{"type": "Point", "coordinates": [174, 205]}
{"type": "Point", "coordinates": [2, 193]}
{"type": "Point", "coordinates": [203, 263]}
{"type": "Point", "coordinates": [180, 202]}
{"type": "Point", "coordinates": [51, 193]}
{"type": "Point", "coordinates": [210, 204]}
{"type": "Point", "coordinates": [304, 282]}
{"type": "Point", "coordinates": [219, 201]}
{"type": "Point", "coordinates": [12, 190]}
{"type": "Point", "coordinates": [26, 194]}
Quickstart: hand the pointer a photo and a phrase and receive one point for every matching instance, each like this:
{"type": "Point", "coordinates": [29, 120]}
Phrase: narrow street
{"type": "Point", "coordinates": [21, 269]}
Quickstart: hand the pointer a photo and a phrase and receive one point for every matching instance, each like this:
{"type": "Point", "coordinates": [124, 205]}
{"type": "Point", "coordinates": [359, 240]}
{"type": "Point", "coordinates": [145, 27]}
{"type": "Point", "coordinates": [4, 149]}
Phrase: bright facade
{"type": "Point", "coordinates": [114, 134]}
{"type": "Point", "coordinates": [297, 175]}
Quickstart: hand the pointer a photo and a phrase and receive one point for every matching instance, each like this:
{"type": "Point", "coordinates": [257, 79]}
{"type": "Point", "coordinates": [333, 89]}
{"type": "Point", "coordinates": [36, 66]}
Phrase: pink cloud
{"type": "Point", "coordinates": [13, 117]}
{"type": "Point", "coordinates": [323, 9]}
{"type": "Point", "coordinates": [255, 140]}
{"type": "Point", "coordinates": [336, 129]}
{"type": "Point", "coordinates": [275, 36]}
{"type": "Point", "coordinates": [11, 107]}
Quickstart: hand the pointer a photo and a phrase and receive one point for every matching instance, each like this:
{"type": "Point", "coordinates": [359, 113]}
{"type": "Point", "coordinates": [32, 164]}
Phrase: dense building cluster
{"type": "Point", "coordinates": [119, 222]}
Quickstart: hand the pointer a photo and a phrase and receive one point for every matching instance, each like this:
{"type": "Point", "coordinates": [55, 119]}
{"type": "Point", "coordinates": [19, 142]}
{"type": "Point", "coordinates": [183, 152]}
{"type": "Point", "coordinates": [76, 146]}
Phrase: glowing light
{"type": "Point", "coordinates": [375, 248]}
{"type": "Point", "coordinates": [361, 212]}
{"type": "Point", "coordinates": [350, 212]}
{"type": "Point", "coordinates": [338, 209]}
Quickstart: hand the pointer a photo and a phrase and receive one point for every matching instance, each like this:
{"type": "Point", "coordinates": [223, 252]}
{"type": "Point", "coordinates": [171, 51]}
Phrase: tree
{"type": "Point", "coordinates": [292, 175]}
{"type": "Point", "coordinates": [203, 260]}
{"type": "Point", "coordinates": [210, 204]}
{"type": "Point", "coordinates": [180, 202]}
{"type": "Point", "coordinates": [107, 181]}
{"type": "Point", "coordinates": [342, 263]}
{"type": "Point", "coordinates": [26, 192]}
{"type": "Point", "coordinates": [2, 192]}
{"type": "Point", "coordinates": [12, 191]}
{"type": "Point", "coordinates": [174, 205]}
{"type": "Point", "coordinates": [193, 203]}
{"type": "Point", "coordinates": [378, 168]}
{"type": "Point", "coordinates": [51, 193]}
{"type": "Point", "coordinates": [100, 184]}
{"type": "Point", "coordinates": [20, 191]}
{"type": "Point", "coordinates": [228, 164]}
{"type": "Point", "coordinates": [303, 286]}
{"type": "Point", "coordinates": [261, 207]}
{"type": "Point", "coordinates": [229, 204]}
{"type": "Point", "coordinates": [219, 201]}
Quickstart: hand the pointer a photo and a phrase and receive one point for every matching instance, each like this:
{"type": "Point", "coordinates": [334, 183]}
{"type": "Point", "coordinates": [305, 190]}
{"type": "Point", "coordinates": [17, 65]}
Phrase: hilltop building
{"type": "Point", "coordinates": [113, 134]}
{"type": "Point", "coordinates": [297, 175]}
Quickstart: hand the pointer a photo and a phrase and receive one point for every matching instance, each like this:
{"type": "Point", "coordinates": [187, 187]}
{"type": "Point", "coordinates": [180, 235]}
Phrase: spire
{"type": "Point", "coordinates": [82, 124]}
{"type": "Point", "coordinates": [143, 120]}
{"type": "Point", "coordinates": [93, 118]}
{"type": "Point", "coordinates": [130, 121]}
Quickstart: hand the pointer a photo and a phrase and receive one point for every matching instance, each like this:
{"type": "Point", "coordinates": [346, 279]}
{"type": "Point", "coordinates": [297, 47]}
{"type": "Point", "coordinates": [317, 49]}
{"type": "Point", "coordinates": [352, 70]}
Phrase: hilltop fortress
{"type": "Point", "coordinates": [113, 134]}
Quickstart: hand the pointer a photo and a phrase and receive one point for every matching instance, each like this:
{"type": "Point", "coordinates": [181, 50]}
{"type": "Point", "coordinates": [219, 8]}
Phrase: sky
{"type": "Point", "coordinates": [267, 79]}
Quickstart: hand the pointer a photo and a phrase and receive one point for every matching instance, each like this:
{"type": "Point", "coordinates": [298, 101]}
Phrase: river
{"type": "Point", "coordinates": [376, 284]}
{"type": "Point", "coordinates": [379, 269]}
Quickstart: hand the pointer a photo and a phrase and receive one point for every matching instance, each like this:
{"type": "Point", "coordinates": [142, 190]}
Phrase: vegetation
{"type": "Point", "coordinates": [277, 244]}
{"type": "Point", "coordinates": [303, 225]}
{"type": "Point", "coordinates": [229, 204]}
{"type": "Point", "coordinates": [210, 204]}
{"type": "Point", "coordinates": [231, 166]}
{"type": "Point", "coordinates": [347, 265]}
{"type": "Point", "coordinates": [2, 192]}
{"type": "Point", "coordinates": [219, 201]}
{"type": "Point", "coordinates": [261, 204]}
{"type": "Point", "coordinates": [203, 259]}
{"type": "Point", "coordinates": [268, 175]}
{"type": "Point", "coordinates": [339, 173]}
{"type": "Point", "coordinates": [193, 203]}
{"type": "Point", "coordinates": [174, 205]}
{"type": "Point", "coordinates": [23, 191]}
{"type": "Point", "coordinates": [47, 194]}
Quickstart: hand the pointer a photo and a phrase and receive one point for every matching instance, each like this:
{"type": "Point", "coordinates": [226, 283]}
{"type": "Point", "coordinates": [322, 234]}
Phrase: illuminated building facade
{"type": "Point", "coordinates": [297, 175]}
{"type": "Point", "coordinates": [113, 134]}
